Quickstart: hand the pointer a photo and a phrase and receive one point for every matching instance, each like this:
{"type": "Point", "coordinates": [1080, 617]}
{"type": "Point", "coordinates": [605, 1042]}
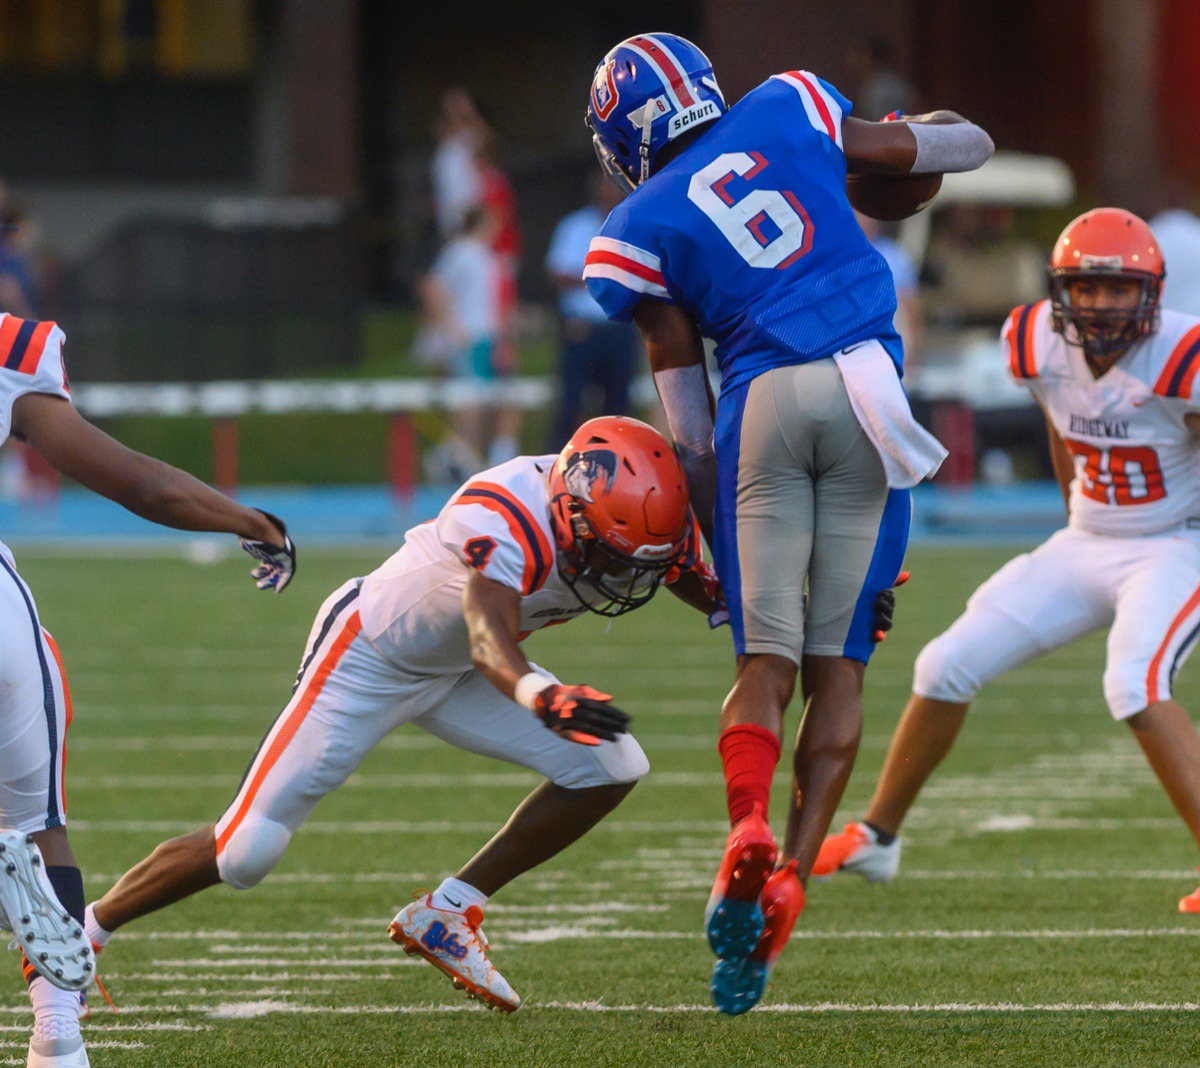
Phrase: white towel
{"type": "Point", "coordinates": [908, 451]}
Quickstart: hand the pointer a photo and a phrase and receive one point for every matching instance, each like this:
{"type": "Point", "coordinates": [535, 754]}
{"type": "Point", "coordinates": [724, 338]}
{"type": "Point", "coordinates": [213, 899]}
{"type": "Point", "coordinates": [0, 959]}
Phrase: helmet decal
{"type": "Point", "coordinates": [604, 91]}
{"type": "Point", "coordinates": [582, 469]}
{"type": "Point", "coordinates": [1100, 263]}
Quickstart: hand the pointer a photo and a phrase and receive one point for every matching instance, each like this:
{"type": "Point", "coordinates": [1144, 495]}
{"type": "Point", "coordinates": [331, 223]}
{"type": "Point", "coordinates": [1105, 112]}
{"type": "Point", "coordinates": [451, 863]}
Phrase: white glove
{"type": "Point", "coordinates": [276, 563]}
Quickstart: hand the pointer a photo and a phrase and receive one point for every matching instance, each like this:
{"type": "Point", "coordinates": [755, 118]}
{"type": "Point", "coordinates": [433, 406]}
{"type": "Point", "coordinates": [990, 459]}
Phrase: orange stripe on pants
{"type": "Point", "coordinates": [292, 724]}
{"type": "Point", "coordinates": [70, 711]}
{"type": "Point", "coordinates": [1152, 692]}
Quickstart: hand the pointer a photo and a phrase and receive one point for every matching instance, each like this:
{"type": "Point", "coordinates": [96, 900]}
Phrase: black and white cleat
{"type": "Point", "coordinates": [54, 942]}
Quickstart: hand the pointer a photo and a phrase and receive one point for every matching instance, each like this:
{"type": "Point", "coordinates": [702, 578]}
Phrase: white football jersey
{"type": "Point", "coordinates": [31, 361]}
{"type": "Point", "coordinates": [1137, 465]}
{"type": "Point", "coordinates": [497, 524]}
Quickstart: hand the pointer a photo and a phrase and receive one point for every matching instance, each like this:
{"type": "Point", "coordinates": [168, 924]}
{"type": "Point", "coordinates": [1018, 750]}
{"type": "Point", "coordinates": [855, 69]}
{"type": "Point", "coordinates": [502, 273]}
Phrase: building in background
{"type": "Point", "coordinates": [203, 113]}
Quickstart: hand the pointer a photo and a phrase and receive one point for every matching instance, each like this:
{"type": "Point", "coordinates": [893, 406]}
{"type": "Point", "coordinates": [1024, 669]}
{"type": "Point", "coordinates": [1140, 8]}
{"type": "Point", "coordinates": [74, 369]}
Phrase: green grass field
{"type": "Point", "coordinates": [1034, 921]}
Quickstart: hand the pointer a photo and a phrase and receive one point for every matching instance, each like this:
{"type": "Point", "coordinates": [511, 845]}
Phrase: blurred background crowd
{"type": "Point", "coordinates": [284, 191]}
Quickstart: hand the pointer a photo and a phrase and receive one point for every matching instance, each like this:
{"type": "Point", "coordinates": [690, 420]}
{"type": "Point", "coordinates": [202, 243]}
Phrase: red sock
{"type": "Point", "coordinates": [749, 753]}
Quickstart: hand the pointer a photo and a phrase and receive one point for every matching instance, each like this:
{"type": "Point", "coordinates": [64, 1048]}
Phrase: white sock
{"type": "Point", "coordinates": [457, 895]}
{"type": "Point", "coordinates": [92, 928]}
{"type": "Point", "coordinates": [55, 1011]}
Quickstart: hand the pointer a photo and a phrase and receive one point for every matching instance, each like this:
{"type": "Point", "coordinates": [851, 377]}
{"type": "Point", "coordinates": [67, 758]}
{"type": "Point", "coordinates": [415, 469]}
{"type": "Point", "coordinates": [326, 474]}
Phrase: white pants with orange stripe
{"type": "Point", "coordinates": [1146, 590]}
{"type": "Point", "coordinates": [35, 711]}
{"type": "Point", "coordinates": [347, 698]}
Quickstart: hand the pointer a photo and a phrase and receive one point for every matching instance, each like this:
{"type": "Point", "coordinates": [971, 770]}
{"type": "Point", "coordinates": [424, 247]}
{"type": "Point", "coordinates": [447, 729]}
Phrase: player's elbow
{"type": "Point", "coordinates": [953, 148]}
{"type": "Point", "coordinates": [983, 148]}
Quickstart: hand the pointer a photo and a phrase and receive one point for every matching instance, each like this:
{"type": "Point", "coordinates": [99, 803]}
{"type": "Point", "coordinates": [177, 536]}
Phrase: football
{"type": "Point", "coordinates": [890, 197]}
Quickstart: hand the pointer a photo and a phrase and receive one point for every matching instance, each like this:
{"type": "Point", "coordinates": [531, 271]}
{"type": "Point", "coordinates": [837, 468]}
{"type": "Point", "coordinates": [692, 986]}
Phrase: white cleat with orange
{"type": "Point", "coordinates": [857, 850]}
{"type": "Point", "coordinates": [453, 942]}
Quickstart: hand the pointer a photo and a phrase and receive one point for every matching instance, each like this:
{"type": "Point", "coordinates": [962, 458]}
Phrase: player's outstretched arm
{"type": "Point", "coordinates": [940, 142]}
{"type": "Point", "coordinates": [676, 353]}
{"type": "Point", "coordinates": [579, 713]}
{"type": "Point", "coordinates": [148, 487]}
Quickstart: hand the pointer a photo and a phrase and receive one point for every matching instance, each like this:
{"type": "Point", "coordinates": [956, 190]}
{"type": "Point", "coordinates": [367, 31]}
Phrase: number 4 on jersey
{"type": "Point", "coordinates": [478, 551]}
{"type": "Point", "coordinates": [767, 227]}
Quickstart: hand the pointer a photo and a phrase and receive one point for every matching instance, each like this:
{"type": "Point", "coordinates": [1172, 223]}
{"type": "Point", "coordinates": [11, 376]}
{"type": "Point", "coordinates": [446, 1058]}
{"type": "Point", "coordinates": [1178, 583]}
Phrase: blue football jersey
{"type": "Point", "coordinates": [750, 232]}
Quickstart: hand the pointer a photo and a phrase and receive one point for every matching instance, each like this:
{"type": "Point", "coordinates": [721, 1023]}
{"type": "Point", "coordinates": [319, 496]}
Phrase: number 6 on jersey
{"type": "Point", "coordinates": [767, 227]}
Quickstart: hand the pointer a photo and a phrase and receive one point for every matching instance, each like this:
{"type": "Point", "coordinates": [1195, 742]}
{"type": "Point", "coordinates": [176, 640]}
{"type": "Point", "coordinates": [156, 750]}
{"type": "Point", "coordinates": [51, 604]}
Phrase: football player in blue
{"type": "Point", "coordinates": [737, 228]}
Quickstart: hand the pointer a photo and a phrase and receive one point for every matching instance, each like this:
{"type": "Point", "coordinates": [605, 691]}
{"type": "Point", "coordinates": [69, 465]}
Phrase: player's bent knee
{"type": "Point", "coordinates": [1125, 693]}
{"type": "Point", "coordinates": [622, 761]}
{"type": "Point", "coordinates": [941, 673]}
{"type": "Point", "coordinates": [252, 851]}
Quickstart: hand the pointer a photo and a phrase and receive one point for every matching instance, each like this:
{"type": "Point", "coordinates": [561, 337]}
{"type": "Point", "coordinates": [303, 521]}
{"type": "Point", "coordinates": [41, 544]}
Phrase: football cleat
{"type": "Point", "coordinates": [857, 850]}
{"type": "Point", "coordinates": [58, 1053]}
{"type": "Point", "coordinates": [453, 942]}
{"type": "Point", "coordinates": [738, 985]}
{"type": "Point", "coordinates": [733, 919]}
{"type": "Point", "coordinates": [53, 941]}
{"type": "Point", "coordinates": [1191, 903]}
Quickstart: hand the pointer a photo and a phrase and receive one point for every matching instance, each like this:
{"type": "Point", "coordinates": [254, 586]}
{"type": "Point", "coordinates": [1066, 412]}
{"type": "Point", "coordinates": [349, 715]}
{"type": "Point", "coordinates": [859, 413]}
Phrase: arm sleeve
{"type": "Point", "coordinates": [481, 540]}
{"type": "Point", "coordinates": [488, 528]}
{"type": "Point", "coordinates": [1016, 346]}
{"type": "Point", "coordinates": [1178, 377]}
{"type": "Point", "coordinates": [31, 361]}
{"type": "Point", "coordinates": [621, 272]}
{"type": "Point", "coordinates": [824, 107]}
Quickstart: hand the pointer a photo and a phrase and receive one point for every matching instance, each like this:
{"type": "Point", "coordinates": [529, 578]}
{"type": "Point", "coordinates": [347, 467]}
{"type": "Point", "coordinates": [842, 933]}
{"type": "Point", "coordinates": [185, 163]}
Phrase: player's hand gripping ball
{"type": "Point", "coordinates": [580, 714]}
{"type": "Point", "coordinates": [889, 197]}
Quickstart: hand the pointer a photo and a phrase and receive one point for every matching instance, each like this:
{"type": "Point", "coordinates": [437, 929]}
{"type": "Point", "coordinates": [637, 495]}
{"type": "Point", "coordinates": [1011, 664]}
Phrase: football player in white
{"type": "Point", "coordinates": [433, 638]}
{"type": "Point", "coordinates": [1116, 377]}
{"type": "Point", "coordinates": [41, 888]}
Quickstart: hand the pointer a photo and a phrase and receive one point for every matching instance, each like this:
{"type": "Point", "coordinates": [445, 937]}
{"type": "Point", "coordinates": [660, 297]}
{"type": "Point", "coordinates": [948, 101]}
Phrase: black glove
{"type": "Point", "coordinates": [580, 714]}
{"type": "Point", "coordinates": [276, 563]}
{"type": "Point", "coordinates": [885, 608]}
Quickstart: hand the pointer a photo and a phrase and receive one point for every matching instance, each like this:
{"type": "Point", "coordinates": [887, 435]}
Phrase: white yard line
{"type": "Point", "coordinates": [240, 1010]}
{"type": "Point", "coordinates": [559, 933]}
{"type": "Point", "coordinates": [99, 1022]}
{"type": "Point", "coordinates": [254, 976]}
{"type": "Point", "coordinates": [951, 818]}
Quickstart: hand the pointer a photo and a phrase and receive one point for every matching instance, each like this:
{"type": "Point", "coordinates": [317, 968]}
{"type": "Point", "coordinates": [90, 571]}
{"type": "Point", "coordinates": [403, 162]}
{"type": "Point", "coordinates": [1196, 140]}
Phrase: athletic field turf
{"type": "Point", "coordinates": [1034, 921]}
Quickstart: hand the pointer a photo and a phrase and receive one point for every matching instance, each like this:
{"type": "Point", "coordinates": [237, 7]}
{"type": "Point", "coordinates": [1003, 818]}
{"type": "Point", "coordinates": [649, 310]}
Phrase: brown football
{"type": "Point", "coordinates": [889, 197]}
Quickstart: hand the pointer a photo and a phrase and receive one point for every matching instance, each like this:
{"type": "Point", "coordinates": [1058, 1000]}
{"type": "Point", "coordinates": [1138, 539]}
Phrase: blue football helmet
{"type": "Point", "coordinates": [645, 93]}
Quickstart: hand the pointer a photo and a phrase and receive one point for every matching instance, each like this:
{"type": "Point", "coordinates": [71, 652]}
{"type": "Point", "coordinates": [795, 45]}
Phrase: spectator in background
{"type": "Point", "coordinates": [460, 129]}
{"type": "Point", "coordinates": [460, 324]}
{"type": "Point", "coordinates": [1178, 231]}
{"type": "Point", "coordinates": [878, 86]}
{"type": "Point", "coordinates": [24, 475]}
{"type": "Point", "coordinates": [910, 315]}
{"type": "Point", "coordinates": [18, 292]}
{"type": "Point", "coordinates": [500, 204]}
{"type": "Point", "coordinates": [594, 352]}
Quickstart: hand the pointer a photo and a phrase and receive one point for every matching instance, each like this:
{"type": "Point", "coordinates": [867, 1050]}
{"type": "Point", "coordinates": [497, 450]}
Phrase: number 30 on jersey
{"type": "Point", "coordinates": [1120, 474]}
{"type": "Point", "coordinates": [767, 227]}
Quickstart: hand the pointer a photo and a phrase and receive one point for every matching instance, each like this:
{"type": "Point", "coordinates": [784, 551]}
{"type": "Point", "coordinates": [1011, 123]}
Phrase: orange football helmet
{"type": "Point", "coordinates": [1106, 242]}
{"type": "Point", "coordinates": [619, 507]}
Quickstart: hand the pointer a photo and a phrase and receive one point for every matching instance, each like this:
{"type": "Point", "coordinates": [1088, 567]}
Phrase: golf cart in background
{"type": "Point", "coordinates": [973, 271]}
